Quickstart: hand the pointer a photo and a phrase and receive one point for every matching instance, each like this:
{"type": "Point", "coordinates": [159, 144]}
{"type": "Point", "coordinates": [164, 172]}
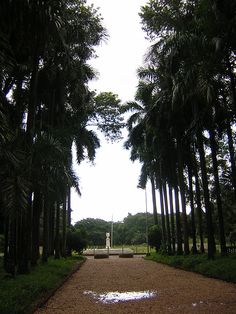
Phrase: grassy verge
{"type": "Point", "coordinates": [221, 267]}
{"type": "Point", "coordinates": [20, 295]}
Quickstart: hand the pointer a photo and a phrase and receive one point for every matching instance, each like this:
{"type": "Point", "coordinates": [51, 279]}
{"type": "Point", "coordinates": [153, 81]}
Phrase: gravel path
{"type": "Point", "coordinates": [177, 291]}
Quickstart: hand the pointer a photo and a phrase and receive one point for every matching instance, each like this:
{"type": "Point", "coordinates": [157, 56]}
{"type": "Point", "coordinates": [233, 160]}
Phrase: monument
{"type": "Point", "coordinates": [108, 242]}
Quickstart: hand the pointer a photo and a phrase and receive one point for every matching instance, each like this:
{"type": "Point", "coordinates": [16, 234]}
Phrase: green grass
{"type": "Point", "coordinates": [221, 267]}
{"type": "Point", "coordinates": [139, 248]}
{"type": "Point", "coordinates": [19, 295]}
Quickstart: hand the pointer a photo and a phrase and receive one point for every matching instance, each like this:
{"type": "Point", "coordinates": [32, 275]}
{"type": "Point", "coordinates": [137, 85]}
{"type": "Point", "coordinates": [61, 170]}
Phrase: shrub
{"type": "Point", "coordinates": [221, 267]}
{"type": "Point", "coordinates": [155, 237]}
{"type": "Point", "coordinates": [126, 255]}
{"type": "Point", "coordinates": [76, 240]}
{"type": "Point", "coordinates": [99, 256]}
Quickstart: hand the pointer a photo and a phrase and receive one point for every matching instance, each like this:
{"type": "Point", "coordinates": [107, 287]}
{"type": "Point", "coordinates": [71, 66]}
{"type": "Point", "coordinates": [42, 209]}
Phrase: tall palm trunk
{"type": "Point", "coordinates": [26, 227]}
{"type": "Point", "coordinates": [167, 218]}
{"type": "Point", "coordinates": [37, 207]}
{"type": "Point", "coordinates": [178, 223]}
{"type": "Point", "coordinates": [51, 228]}
{"type": "Point", "coordinates": [45, 230]}
{"type": "Point", "coordinates": [182, 193]}
{"type": "Point", "coordinates": [10, 250]}
{"type": "Point", "coordinates": [57, 231]}
{"type": "Point", "coordinates": [218, 192]}
{"type": "Point", "coordinates": [69, 251]}
{"type": "Point", "coordinates": [231, 154]}
{"type": "Point", "coordinates": [154, 202]}
{"type": "Point", "coordinates": [19, 103]}
{"type": "Point", "coordinates": [25, 246]}
{"type": "Point", "coordinates": [63, 251]}
{"type": "Point", "coordinates": [172, 219]}
{"type": "Point", "coordinates": [194, 247]}
{"type": "Point", "coordinates": [69, 208]}
{"type": "Point", "coordinates": [30, 130]}
{"type": "Point", "coordinates": [210, 229]}
{"type": "Point", "coordinates": [163, 225]}
{"type": "Point", "coordinates": [199, 205]}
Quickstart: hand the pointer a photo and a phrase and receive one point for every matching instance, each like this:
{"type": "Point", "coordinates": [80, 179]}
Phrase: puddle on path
{"type": "Point", "coordinates": [115, 297]}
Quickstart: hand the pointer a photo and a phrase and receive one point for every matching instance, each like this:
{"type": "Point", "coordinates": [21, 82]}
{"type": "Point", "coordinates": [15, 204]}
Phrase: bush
{"type": "Point", "coordinates": [100, 256]}
{"type": "Point", "coordinates": [126, 255]}
{"type": "Point", "coordinates": [76, 240]}
{"type": "Point", "coordinates": [221, 267]}
{"type": "Point", "coordinates": [155, 237]}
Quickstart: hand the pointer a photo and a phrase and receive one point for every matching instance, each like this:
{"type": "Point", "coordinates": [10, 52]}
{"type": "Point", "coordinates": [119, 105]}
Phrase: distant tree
{"type": "Point", "coordinates": [96, 230]}
{"type": "Point", "coordinates": [135, 227]}
{"type": "Point", "coordinates": [107, 115]}
{"type": "Point", "coordinates": [131, 231]}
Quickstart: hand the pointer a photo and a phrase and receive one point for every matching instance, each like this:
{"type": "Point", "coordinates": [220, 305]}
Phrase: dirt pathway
{"type": "Point", "coordinates": [177, 291]}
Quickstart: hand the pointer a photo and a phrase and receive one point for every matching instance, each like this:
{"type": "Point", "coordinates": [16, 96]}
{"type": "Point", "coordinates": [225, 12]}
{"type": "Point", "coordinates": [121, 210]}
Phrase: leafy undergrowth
{"type": "Point", "coordinates": [20, 295]}
{"type": "Point", "coordinates": [221, 267]}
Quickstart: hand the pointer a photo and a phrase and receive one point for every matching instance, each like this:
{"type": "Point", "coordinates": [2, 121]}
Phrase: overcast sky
{"type": "Point", "coordinates": [109, 188]}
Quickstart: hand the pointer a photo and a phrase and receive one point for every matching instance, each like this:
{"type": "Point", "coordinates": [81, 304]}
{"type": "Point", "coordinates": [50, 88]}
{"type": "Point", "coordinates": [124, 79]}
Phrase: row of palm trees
{"type": "Point", "coordinates": [45, 108]}
{"type": "Point", "coordinates": [184, 111]}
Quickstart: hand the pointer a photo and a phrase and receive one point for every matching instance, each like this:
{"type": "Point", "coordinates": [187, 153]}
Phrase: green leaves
{"type": "Point", "coordinates": [108, 115]}
{"type": "Point", "coordinates": [86, 142]}
{"type": "Point", "coordinates": [15, 185]}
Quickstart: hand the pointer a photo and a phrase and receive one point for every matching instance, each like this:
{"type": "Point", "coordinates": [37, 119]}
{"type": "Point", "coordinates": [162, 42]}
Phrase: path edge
{"type": "Point", "coordinates": [43, 300]}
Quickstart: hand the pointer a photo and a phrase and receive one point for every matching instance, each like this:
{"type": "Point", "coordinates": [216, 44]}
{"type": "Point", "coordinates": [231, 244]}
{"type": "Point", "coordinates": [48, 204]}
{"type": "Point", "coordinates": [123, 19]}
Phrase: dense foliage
{"type": "Point", "coordinates": [132, 230]}
{"type": "Point", "coordinates": [45, 108]}
{"type": "Point", "coordinates": [76, 240]}
{"type": "Point", "coordinates": [155, 237]}
{"type": "Point", "coordinates": [182, 128]}
{"type": "Point", "coordinates": [95, 229]}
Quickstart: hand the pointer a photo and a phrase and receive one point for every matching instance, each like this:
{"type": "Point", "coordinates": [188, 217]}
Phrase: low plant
{"type": "Point", "coordinates": [155, 237]}
{"type": "Point", "coordinates": [76, 240]}
{"type": "Point", "coordinates": [221, 267]}
{"type": "Point", "coordinates": [18, 295]}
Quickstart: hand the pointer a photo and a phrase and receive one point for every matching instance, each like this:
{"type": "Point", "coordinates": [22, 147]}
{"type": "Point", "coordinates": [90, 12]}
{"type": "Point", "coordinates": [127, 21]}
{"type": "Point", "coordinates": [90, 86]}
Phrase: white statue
{"type": "Point", "coordinates": [108, 243]}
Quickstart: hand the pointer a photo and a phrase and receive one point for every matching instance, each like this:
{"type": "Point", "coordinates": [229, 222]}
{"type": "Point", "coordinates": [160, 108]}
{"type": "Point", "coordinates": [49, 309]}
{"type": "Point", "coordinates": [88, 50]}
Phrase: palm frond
{"type": "Point", "coordinates": [143, 178]}
{"type": "Point", "coordinates": [15, 194]}
{"type": "Point", "coordinates": [86, 141]}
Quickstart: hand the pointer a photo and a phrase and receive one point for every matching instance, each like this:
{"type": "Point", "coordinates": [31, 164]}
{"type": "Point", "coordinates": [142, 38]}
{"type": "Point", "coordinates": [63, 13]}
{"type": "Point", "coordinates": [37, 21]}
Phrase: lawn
{"type": "Point", "coordinates": [21, 294]}
{"type": "Point", "coordinates": [221, 267]}
{"type": "Point", "coordinates": [138, 249]}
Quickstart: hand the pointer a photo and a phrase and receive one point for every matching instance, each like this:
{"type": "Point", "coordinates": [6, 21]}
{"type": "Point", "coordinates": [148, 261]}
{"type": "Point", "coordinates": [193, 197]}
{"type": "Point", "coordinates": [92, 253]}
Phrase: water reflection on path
{"type": "Point", "coordinates": [115, 297]}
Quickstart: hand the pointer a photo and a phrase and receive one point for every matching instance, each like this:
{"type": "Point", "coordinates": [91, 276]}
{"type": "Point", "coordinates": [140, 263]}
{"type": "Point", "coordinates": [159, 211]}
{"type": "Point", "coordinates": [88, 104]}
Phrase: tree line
{"type": "Point", "coordinates": [46, 107]}
{"type": "Point", "coordinates": [182, 127]}
{"type": "Point", "coordinates": [130, 231]}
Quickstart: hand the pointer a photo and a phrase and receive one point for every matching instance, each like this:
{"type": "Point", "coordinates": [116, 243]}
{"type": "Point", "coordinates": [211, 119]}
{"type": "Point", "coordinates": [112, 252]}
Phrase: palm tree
{"type": "Point", "coordinates": [167, 218]}
{"type": "Point", "coordinates": [194, 247]}
{"type": "Point", "coordinates": [210, 229]}
{"type": "Point", "coordinates": [199, 204]}
{"type": "Point", "coordinates": [51, 56]}
{"type": "Point", "coordinates": [154, 200]}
